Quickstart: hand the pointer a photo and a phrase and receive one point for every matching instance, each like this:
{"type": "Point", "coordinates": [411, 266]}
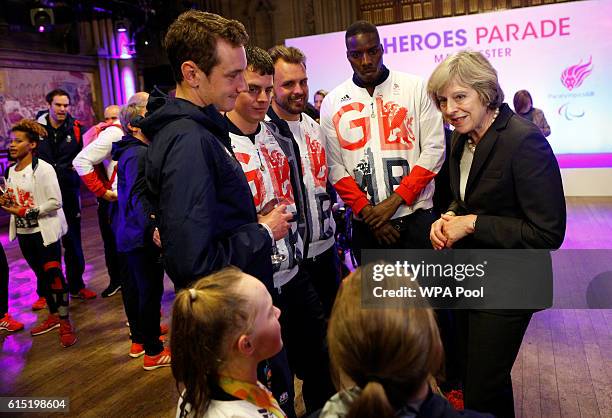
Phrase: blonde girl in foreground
{"type": "Point", "coordinates": [222, 327]}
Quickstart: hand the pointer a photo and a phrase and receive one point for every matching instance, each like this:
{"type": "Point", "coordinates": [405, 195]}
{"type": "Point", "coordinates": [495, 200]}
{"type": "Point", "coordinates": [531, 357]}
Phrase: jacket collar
{"type": "Point", "coordinates": [283, 126]}
{"type": "Point", "coordinates": [485, 146]}
{"type": "Point", "coordinates": [381, 78]}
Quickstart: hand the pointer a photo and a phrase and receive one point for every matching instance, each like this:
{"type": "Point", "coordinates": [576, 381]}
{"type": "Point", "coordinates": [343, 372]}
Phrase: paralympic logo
{"type": "Point", "coordinates": [573, 76]}
{"type": "Point", "coordinates": [567, 113]}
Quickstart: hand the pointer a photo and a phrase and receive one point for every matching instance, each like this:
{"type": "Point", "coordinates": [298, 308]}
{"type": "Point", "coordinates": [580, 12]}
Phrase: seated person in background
{"type": "Point", "coordinates": [383, 370]}
{"type": "Point", "coordinates": [523, 105]}
{"type": "Point", "coordinates": [222, 328]}
{"type": "Point", "coordinates": [318, 98]}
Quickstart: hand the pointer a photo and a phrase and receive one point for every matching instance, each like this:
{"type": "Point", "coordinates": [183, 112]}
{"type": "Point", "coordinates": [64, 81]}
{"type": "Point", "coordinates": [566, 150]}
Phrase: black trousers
{"type": "Point", "coordinates": [303, 330]}
{"type": "Point", "coordinates": [324, 272]}
{"type": "Point", "coordinates": [414, 233]}
{"type": "Point", "coordinates": [4, 278]}
{"type": "Point", "coordinates": [142, 291]}
{"type": "Point", "coordinates": [488, 344]}
{"type": "Point", "coordinates": [108, 238]}
{"type": "Point", "coordinates": [73, 249]}
{"type": "Point", "coordinates": [46, 264]}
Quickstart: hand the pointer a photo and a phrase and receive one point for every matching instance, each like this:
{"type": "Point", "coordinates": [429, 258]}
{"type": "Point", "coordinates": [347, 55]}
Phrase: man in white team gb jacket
{"type": "Point", "coordinates": [385, 144]}
{"type": "Point", "coordinates": [288, 113]}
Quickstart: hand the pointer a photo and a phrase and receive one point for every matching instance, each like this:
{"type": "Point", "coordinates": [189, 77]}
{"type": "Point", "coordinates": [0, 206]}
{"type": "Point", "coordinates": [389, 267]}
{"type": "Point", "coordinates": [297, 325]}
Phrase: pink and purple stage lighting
{"type": "Point", "coordinates": [560, 53]}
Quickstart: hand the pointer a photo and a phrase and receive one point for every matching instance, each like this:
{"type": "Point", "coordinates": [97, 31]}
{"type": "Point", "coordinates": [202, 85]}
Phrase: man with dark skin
{"type": "Point", "coordinates": [385, 145]}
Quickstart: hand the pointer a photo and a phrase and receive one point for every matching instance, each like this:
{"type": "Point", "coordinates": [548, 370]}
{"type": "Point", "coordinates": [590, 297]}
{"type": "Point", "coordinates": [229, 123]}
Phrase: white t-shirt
{"type": "Point", "coordinates": [231, 409]}
{"type": "Point", "coordinates": [20, 188]}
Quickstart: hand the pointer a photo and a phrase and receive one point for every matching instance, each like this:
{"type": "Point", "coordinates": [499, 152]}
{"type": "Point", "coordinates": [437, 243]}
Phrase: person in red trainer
{"type": "Point", "coordinates": [34, 200]}
{"type": "Point", "coordinates": [7, 323]}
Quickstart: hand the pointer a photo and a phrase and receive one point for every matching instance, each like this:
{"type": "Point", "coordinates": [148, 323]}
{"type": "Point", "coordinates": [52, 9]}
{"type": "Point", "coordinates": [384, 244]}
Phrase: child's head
{"type": "Point", "coordinates": [388, 352]}
{"type": "Point", "coordinates": [226, 320]}
{"type": "Point", "coordinates": [25, 136]}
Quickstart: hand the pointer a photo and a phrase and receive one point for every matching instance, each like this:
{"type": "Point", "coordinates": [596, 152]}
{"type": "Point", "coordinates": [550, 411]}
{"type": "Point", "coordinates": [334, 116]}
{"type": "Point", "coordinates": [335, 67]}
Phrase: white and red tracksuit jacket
{"type": "Point", "coordinates": [94, 163]}
{"type": "Point", "coordinates": [268, 171]}
{"type": "Point", "coordinates": [390, 141]}
{"type": "Point", "coordinates": [311, 143]}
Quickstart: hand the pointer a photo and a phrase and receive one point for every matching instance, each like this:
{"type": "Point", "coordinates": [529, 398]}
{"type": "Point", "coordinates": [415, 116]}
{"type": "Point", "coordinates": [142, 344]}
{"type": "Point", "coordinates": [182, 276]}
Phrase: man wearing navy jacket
{"type": "Point", "coordinates": [207, 219]}
{"type": "Point", "coordinates": [62, 144]}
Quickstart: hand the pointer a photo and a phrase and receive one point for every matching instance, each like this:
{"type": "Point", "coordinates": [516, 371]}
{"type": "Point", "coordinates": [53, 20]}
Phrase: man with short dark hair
{"type": "Point", "coordinates": [62, 144]}
{"type": "Point", "coordinates": [288, 113]}
{"type": "Point", "coordinates": [207, 219]}
{"type": "Point", "coordinates": [385, 143]}
{"type": "Point", "coordinates": [272, 166]}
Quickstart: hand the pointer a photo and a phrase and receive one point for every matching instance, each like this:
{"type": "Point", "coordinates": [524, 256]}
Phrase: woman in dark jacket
{"type": "Point", "coordinates": [507, 194]}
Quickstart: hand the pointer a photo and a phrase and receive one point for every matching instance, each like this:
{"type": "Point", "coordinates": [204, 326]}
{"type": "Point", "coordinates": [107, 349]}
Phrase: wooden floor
{"type": "Point", "coordinates": [564, 368]}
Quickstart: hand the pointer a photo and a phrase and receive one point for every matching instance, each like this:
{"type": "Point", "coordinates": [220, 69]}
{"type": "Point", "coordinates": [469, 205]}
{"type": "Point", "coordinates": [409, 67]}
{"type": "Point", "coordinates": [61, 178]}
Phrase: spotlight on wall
{"type": "Point", "coordinates": [42, 19]}
{"type": "Point", "coordinates": [121, 26]}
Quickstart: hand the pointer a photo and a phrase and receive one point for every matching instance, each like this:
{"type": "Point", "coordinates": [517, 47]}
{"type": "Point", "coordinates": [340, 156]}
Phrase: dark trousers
{"type": "Point", "coordinates": [142, 292]}
{"type": "Point", "coordinates": [413, 229]}
{"type": "Point", "coordinates": [303, 330]}
{"type": "Point", "coordinates": [451, 375]}
{"type": "Point", "coordinates": [324, 272]}
{"type": "Point", "coordinates": [73, 249]}
{"type": "Point", "coordinates": [46, 264]}
{"type": "Point", "coordinates": [4, 278]}
{"type": "Point", "coordinates": [108, 238]}
{"type": "Point", "coordinates": [488, 344]}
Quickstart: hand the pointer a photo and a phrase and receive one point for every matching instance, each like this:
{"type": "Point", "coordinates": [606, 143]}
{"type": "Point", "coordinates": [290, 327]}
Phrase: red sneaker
{"type": "Point", "coordinates": [84, 293]}
{"type": "Point", "coordinates": [160, 360]}
{"type": "Point", "coordinates": [66, 333]}
{"type": "Point", "coordinates": [41, 303]}
{"type": "Point", "coordinates": [47, 325]}
{"type": "Point", "coordinates": [136, 350]}
{"type": "Point", "coordinates": [163, 329]}
{"type": "Point", "coordinates": [7, 323]}
{"type": "Point", "coordinates": [455, 398]}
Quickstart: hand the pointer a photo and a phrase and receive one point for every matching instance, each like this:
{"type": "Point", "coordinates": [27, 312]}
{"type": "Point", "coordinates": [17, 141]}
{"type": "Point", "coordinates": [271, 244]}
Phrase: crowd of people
{"type": "Point", "coordinates": [228, 186]}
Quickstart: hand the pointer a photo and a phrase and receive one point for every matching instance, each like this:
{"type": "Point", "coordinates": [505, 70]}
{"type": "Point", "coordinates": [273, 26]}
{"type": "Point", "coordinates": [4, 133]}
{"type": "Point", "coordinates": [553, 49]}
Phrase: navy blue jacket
{"type": "Point", "coordinates": [59, 149]}
{"type": "Point", "coordinates": [207, 219]}
{"type": "Point", "coordinates": [135, 218]}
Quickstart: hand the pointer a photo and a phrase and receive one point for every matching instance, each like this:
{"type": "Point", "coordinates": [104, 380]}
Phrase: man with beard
{"type": "Point", "coordinates": [385, 143]}
{"type": "Point", "coordinates": [288, 113]}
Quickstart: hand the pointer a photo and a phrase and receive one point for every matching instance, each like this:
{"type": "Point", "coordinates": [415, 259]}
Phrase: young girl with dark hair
{"type": "Point", "coordinates": [222, 328]}
{"type": "Point", "coordinates": [34, 200]}
{"type": "Point", "coordinates": [382, 357]}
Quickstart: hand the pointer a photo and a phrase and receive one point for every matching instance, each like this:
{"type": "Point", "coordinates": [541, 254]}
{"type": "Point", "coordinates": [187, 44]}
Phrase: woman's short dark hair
{"type": "Point", "coordinates": [522, 101]}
